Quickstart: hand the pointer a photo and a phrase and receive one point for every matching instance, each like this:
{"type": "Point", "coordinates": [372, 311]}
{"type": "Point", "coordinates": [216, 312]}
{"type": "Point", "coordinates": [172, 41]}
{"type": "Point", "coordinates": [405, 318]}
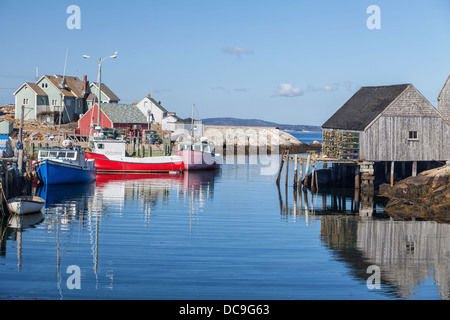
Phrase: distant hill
{"type": "Point", "coordinates": [258, 123]}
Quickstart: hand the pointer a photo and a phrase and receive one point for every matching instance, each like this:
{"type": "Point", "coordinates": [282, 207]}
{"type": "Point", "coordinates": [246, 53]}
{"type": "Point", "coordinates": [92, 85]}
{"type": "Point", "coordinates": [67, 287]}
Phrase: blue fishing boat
{"type": "Point", "coordinates": [60, 166]}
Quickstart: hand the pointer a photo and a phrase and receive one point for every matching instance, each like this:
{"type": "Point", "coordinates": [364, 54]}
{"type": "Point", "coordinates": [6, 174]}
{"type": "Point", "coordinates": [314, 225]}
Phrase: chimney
{"type": "Point", "coordinates": [84, 84]}
{"type": "Point", "coordinates": [85, 93]}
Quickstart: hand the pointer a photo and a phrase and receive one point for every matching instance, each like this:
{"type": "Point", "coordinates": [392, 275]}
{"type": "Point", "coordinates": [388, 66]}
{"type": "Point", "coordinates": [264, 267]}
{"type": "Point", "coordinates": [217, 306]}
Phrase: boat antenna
{"type": "Point", "coordinates": [192, 123]}
{"type": "Point", "coordinates": [63, 85]}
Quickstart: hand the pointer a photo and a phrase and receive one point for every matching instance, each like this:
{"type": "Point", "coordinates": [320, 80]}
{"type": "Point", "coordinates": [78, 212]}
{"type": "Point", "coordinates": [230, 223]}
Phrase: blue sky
{"type": "Point", "coordinates": [293, 62]}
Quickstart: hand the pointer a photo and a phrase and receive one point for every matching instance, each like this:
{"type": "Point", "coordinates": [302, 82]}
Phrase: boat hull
{"type": "Point", "coordinates": [128, 164]}
{"type": "Point", "coordinates": [25, 204]}
{"type": "Point", "coordinates": [197, 160]}
{"type": "Point", "coordinates": [53, 172]}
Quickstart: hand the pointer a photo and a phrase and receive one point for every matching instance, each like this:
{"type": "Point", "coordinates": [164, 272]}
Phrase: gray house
{"type": "Point", "coordinates": [389, 123]}
{"type": "Point", "coordinates": [107, 96]}
{"type": "Point", "coordinates": [52, 96]}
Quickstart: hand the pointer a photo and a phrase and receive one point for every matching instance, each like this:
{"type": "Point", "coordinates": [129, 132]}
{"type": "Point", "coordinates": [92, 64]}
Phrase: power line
{"type": "Point", "coordinates": [15, 76]}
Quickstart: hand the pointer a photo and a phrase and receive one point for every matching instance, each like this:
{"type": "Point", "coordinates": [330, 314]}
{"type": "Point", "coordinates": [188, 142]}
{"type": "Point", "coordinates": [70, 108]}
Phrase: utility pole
{"type": "Point", "coordinates": [99, 90]}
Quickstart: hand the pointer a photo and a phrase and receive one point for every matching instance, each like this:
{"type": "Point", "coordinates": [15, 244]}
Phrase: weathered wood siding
{"type": "Point", "coordinates": [387, 138]}
{"type": "Point", "coordinates": [444, 100]}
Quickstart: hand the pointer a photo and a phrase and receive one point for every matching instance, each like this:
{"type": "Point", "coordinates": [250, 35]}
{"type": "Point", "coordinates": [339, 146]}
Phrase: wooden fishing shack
{"type": "Point", "coordinates": [389, 127]}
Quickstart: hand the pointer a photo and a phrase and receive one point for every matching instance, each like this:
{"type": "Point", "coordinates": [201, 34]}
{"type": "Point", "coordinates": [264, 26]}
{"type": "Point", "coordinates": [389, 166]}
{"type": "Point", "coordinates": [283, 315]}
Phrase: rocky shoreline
{"type": "Point", "coordinates": [257, 139]}
{"type": "Point", "coordinates": [425, 196]}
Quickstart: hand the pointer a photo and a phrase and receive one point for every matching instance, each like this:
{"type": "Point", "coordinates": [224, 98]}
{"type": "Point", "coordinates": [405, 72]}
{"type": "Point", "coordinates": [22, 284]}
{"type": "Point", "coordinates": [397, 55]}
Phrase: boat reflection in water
{"type": "Point", "coordinates": [147, 191]}
{"type": "Point", "coordinates": [13, 227]}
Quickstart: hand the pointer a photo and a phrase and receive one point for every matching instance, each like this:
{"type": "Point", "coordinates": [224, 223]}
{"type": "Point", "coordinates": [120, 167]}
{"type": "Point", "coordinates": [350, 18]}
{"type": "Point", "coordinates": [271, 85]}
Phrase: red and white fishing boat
{"type": "Point", "coordinates": [110, 156]}
{"type": "Point", "coordinates": [198, 156]}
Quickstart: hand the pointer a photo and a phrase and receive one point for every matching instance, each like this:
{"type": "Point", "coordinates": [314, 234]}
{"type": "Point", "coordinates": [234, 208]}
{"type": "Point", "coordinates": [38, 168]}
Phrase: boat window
{"type": "Point", "coordinates": [100, 146]}
{"type": "Point", "coordinates": [53, 154]}
{"type": "Point", "coordinates": [61, 154]}
{"type": "Point", "coordinates": [44, 154]}
{"type": "Point", "coordinates": [71, 155]}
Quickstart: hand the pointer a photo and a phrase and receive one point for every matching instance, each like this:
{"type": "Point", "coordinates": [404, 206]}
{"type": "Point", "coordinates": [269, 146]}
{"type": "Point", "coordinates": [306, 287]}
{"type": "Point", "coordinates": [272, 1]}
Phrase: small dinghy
{"type": "Point", "coordinates": [25, 204]}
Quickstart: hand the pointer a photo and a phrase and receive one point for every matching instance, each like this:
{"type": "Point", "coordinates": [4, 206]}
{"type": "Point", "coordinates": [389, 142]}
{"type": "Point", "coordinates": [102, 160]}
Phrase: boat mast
{"type": "Point", "coordinates": [192, 124]}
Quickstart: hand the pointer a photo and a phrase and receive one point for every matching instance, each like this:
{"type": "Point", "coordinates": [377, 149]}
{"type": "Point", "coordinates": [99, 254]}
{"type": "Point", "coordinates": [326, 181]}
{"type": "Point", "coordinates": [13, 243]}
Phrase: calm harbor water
{"type": "Point", "coordinates": [228, 234]}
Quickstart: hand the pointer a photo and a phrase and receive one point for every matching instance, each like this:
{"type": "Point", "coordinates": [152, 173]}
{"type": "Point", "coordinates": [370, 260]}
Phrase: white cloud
{"type": "Point", "coordinates": [287, 90]}
{"type": "Point", "coordinates": [237, 50]}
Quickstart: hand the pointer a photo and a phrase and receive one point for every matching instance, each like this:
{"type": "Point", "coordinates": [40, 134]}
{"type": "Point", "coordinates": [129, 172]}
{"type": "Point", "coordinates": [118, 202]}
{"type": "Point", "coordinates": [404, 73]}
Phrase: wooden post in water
{"type": "Point", "coordinates": [308, 160]}
{"type": "Point", "coordinates": [300, 176]}
{"type": "Point", "coordinates": [414, 168]}
{"type": "Point", "coordinates": [287, 167]}
{"type": "Point", "coordinates": [317, 183]}
{"type": "Point", "coordinates": [312, 177]}
{"type": "Point", "coordinates": [295, 171]}
{"type": "Point", "coordinates": [392, 173]}
{"type": "Point", "coordinates": [281, 167]}
{"type": "Point", "coordinates": [339, 174]}
{"type": "Point", "coordinates": [357, 182]}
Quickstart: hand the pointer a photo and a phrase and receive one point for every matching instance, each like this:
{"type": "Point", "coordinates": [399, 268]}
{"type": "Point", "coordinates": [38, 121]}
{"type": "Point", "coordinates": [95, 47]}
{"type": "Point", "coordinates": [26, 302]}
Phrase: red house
{"type": "Point", "coordinates": [112, 115]}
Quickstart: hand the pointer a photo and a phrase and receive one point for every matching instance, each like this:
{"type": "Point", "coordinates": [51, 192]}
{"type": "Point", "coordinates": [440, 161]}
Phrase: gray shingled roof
{"type": "Point", "coordinates": [158, 104]}
{"type": "Point", "coordinates": [36, 88]}
{"type": "Point", "coordinates": [363, 107]}
{"type": "Point", "coordinates": [107, 91]}
{"type": "Point", "coordinates": [123, 113]}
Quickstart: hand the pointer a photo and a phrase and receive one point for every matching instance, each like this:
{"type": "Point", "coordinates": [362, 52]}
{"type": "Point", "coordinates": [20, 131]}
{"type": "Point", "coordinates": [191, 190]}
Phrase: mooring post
{"type": "Point", "coordinates": [414, 168]}
{"type": "Point", "coordinates": [357, 183]}
{"type": "Point", "coordinates": [308, 160]}
{"type": "Point", "coordinates": [295, 171]}
{"type": "Point", "coordinates": [287, 167]}
{"type": "Point", "coordinates": [281, 168]}
{"type": "Point", "coordinates": [392, 173]}
{"type": "Point", "coordinates": [339, 174]}
{"type": "Point", "coordinates": [300, 176]}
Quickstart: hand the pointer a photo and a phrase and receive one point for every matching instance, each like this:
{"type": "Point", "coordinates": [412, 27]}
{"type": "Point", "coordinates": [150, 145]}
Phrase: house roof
{"type": "Point", "coordinates": [364, 106]}
{"type": "Point", "coordinates": [34, 87]}
{"type": "Point", "coordinates": [106, 91]}
{"type": "Point", "coordinates": [57, 80]}
{"type": "Point", "coordinates": [123, 113]}
{"type": "Point", "coordinates": [445, 85]}
{"type": "Point", "coordinates": [156, 103]}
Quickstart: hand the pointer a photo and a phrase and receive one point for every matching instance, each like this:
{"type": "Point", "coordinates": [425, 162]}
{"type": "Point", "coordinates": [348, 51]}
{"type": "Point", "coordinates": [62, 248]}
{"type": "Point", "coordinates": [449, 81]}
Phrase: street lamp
{"type": "Point", "coordinates": [99, 98]}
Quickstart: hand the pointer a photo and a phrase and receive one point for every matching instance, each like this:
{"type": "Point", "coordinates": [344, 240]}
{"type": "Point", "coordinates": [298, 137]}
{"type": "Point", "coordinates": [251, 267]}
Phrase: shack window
{"type": "Point", "coordinates": [413, 135]}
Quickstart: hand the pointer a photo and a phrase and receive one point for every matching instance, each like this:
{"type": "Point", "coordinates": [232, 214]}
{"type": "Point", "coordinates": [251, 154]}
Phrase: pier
{"type": "Point", "coordinates": [305, 171]}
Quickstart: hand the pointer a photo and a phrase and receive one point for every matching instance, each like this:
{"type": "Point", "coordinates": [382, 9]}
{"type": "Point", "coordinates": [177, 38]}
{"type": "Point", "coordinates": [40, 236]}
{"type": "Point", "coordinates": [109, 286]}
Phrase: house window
{"type": "Point", "coordinates": [25, 101]}
{"type": "Point", "coordinates": [413, 135]}
{"type": "Point", "coordinates": [54, 102]}
{"type": "Point", "coordinates": [44, 85]}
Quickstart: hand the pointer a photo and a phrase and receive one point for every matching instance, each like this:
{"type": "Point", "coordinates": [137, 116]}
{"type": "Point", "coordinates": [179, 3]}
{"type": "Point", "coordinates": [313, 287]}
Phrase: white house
{"type": "Point", "coordinates": [169, 123]}
{"type": "Point", "coordinates": [148, 104]}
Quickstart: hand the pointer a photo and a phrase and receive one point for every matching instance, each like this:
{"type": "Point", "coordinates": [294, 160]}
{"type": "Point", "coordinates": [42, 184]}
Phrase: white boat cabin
{"type": "Point", "coordinates": [62, 155]}
{"type": "Point", "coordinates": [200, 147]}
{"type": "Point", "coordinates": [110, 148]}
